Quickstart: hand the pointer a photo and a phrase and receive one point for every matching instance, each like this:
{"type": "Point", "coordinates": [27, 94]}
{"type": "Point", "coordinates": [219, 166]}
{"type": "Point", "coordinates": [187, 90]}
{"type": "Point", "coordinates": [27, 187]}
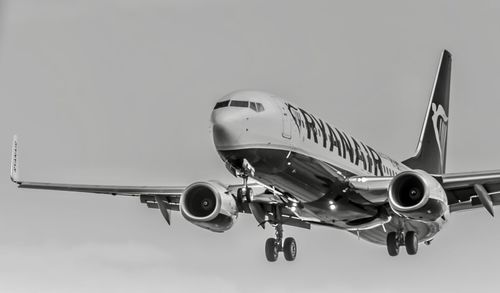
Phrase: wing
{"type": "Point", "coordinates": [464, 191]}
{"type": "Point", "coordinates": [166, 198]}
{"type": "Point", "coordinates": [472, 190]}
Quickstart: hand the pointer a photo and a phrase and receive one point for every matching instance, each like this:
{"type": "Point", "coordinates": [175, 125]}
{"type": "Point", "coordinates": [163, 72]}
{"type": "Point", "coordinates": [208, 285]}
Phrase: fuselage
{"type": "Point", "coordinates": [305, 156]}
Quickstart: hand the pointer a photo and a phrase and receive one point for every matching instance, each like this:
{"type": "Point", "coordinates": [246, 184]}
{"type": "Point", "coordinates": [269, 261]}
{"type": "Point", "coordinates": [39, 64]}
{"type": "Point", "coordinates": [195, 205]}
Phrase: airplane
{"type": "Point", "coordinates": [297, 169]}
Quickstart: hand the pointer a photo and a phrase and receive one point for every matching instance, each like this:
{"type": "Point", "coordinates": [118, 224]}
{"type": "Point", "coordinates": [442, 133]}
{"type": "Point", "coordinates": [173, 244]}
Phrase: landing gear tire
{"type": "Point", "coordinates": [290, 249]}
{"type": "Point", "coordinates": [411, 242]}
{"type": "Point", "coordinates": [271, 250]}
{"type": "Point", "coordinates": [392, 244]}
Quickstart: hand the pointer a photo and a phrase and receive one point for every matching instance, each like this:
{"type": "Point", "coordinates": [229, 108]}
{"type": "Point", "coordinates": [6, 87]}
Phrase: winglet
{"type": "Point", "coordinates": [14, 170]}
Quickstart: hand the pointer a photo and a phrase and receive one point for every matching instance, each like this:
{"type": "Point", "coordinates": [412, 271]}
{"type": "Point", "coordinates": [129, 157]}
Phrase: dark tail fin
{"type": "Point", "coordinates": [431, 149]}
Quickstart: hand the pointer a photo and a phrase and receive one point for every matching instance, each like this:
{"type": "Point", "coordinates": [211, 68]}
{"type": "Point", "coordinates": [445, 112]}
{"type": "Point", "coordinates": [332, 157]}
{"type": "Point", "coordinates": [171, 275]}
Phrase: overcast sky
{"type": "Point", "coordinates": [120, 92]}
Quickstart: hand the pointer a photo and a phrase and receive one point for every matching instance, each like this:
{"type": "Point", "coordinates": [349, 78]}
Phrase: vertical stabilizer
{"type": "Point", "coordinates": [431, 148]}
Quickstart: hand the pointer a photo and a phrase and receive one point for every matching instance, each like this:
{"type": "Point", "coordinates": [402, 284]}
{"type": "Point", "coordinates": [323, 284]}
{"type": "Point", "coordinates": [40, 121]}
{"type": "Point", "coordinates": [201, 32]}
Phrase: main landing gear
{"type": "Point", "coordinates": [273, 216]}
{"type": "Point", "coordinates": [397, 239]}
{"type": "Point", "coordinates": [275, 245]}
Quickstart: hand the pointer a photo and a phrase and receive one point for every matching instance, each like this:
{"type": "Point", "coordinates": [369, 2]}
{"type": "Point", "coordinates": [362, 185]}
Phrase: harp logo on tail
{"type": "Point", "coordinates": [440, 122]}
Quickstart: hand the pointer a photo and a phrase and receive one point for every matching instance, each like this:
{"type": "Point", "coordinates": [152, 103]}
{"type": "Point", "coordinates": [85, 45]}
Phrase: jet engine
{"type": "Point", "coordinates": [417, 195]}
{"type": "Point", "coordinates": [209, 205]}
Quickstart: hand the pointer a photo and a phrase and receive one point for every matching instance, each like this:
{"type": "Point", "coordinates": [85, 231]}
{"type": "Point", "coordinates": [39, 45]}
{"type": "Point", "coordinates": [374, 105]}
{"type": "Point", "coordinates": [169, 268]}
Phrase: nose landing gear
{"type": "Point", "coordinates": [397, 239]}
{"type": "Point", "coordinates": [245, 192]}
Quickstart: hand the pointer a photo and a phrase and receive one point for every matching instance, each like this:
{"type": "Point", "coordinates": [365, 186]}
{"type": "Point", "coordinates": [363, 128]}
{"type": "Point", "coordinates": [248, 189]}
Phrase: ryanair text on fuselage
{"type": "Point", "coordinates": [347, 147]}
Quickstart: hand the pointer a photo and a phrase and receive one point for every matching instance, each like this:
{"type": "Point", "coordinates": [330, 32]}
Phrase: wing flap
{"type": "Point", "coordinates": [460, 186]}
{"type": "Point", "coordinates": [474, 202]}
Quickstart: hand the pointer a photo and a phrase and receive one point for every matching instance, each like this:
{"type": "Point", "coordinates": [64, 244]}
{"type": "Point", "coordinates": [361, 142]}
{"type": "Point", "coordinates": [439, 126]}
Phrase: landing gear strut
{"type": "Point", "coordinates": [397, 239]}
{"type": "Point", "coordinates": [245, 192]}
{"type": "Point", "coordinates": [273, 245]}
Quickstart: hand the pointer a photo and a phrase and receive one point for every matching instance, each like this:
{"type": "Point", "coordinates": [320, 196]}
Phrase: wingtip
{"type": "Point", "coordinates": [14, 169]}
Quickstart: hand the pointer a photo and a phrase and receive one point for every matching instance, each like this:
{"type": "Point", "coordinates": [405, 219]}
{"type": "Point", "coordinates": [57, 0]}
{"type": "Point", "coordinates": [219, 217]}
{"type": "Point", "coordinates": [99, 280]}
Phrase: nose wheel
{"type": "Point", "coordinates": [397, 239]}
{"type": "Point", "coordinates": [244, 193]}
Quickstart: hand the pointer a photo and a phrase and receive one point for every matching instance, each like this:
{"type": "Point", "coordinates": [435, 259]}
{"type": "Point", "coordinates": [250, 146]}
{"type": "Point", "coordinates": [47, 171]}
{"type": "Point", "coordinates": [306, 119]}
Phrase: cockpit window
{"type": "Point", "coordinates": [257, 107]}
{"type": "Point", "coordinates": [221, 104]}
{"type": "Point", "coordinates": [243, 104]}
{"type": "Point", "coordinates": [253, 106]}
{"type": "Point", "coordinates": [260, 107]}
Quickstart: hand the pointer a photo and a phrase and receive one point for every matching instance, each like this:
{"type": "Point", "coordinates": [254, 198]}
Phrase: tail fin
{"type": "Point", "coordinates": [431, 149]}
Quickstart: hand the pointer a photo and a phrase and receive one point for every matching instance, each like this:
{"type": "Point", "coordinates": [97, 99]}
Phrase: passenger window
{"type": "Point", "coordinates": [221, 104]}
{"type": "Point", "coordinates": [253, 106]}
{"type": "Point", "coordinates": [243, 104]}
{"type": "Point", "coordinates": [260, 107]}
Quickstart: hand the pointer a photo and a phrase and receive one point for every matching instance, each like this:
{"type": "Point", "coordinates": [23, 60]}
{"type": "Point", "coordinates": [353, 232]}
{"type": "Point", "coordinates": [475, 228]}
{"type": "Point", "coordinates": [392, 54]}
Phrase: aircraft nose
{"type": "Point", "coordinates": [228, 128]}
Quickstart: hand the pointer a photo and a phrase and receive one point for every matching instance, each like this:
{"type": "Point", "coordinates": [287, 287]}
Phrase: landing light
{"type": "Point", "coordinates": [293, 206]}
{"type": "Point", "coordinates": [332, 205]}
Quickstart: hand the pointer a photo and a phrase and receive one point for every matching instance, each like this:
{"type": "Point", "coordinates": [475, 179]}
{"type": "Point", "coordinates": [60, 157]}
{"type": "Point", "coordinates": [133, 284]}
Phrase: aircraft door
{"type": "Point", "coordinates": [287, 126]}
{"type": "Point", "coordinates": [286, 123]}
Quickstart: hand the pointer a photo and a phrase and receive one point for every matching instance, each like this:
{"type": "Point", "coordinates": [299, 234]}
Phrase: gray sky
{"type": "Point", "coordinates": [120, 92]}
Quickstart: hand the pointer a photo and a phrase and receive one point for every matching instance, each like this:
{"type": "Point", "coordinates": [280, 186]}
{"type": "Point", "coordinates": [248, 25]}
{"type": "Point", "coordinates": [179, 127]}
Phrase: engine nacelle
{"type": "Point", "coordinates": [209, 205]}
{"type": "Point", "coordinates": [417, 195]}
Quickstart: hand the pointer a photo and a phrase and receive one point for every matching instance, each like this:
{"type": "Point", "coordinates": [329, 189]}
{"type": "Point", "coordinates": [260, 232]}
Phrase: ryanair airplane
{"type": "Point", "coordinates": [300, 170]}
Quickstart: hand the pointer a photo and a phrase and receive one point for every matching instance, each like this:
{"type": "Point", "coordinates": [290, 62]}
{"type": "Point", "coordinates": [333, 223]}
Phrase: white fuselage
{"type": "Point", "coordinates": [311, 159]}
{"type": "Point", "coordinates": [285, 126]}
